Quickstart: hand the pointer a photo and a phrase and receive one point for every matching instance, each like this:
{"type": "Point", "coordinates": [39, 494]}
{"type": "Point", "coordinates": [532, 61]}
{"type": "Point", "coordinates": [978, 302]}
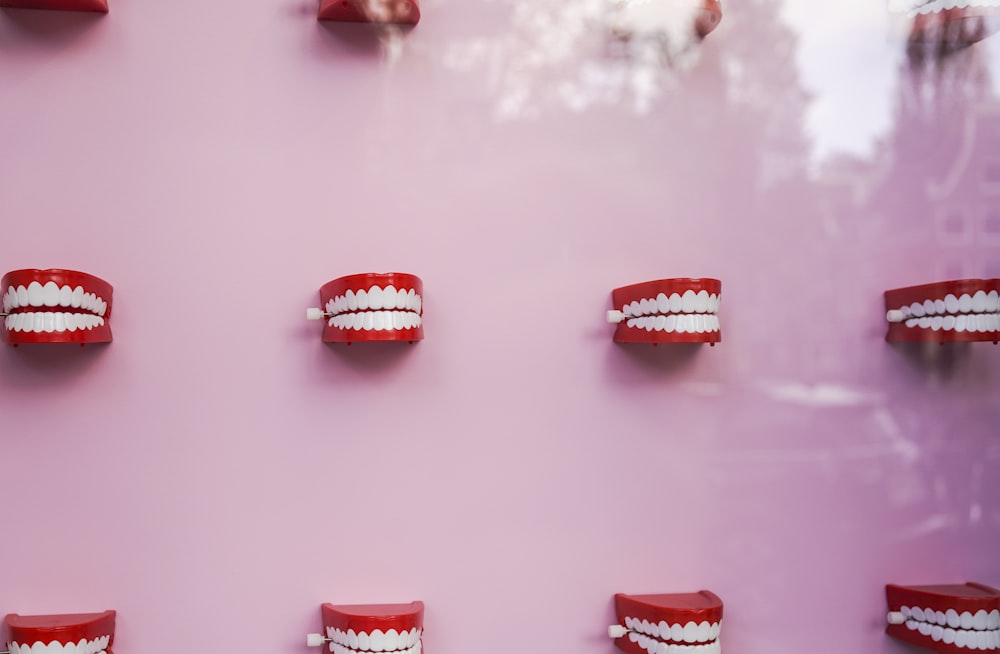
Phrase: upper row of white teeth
{"type": "Point", "coordinates": [51, 321]}
{"type": "Point", "coordinates": [690, 302]}
{"type": "Point", "coordinates": [96, 646]}
{"type": "Point", "coordinates": [51, 295]}
{"type": "Point", "coordinates": [653, 646]}
{"type": "Point", "coordinates": [941, 5]}
{"type": "Point", "coordinates": [952, 618]}
{"type": "Point", "coordinates": [375, 298]}
{"type": "Point", "coordinates": [688, 633]}
{"type": "Point", "coordinates": [980, 302]}
{"type": "Point", "coordinates": [376, 641]}
{"type": "Point", "coordinates": [981, 640]}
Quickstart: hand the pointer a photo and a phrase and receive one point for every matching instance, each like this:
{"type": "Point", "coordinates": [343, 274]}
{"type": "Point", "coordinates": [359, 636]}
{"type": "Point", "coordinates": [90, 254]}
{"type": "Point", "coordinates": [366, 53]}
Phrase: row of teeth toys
{"type": "Point", "coordinates": [945, 619]}
{"type": "Point", "coordinates": [934, 25]}
{"type": "Point", "coordinates": [67, 306]}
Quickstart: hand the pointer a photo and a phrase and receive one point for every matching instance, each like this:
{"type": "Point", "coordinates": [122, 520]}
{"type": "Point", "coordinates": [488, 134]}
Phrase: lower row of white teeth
{"type": "Point", "coordinates": [96, 646]}
{"type": "Point", "coordinates": [51, 321]}
{"type": "Point", "coordinates": [983, 322]}
{"type": "Point", "coordinates": [941, 5]}
{"type": "Point", "coordinates": [653, 646]}
{"type": "Point", "coordinates": [981, 640]}
{"type": "Point", "coordinates": [337, 648]}
{"type": "Point", "coordinates": [376, 320]}
{"type": "Point", "coordinates": [376, 641]}
{"type": "Point", "coordinates": [680, 323]}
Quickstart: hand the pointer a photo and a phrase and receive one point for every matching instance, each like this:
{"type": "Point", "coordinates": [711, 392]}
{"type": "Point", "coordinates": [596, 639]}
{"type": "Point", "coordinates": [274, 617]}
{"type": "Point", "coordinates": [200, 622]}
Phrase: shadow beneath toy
{"type": "Point", "coordinates": [45, 27]}
{"type": "Point", "coordinates": [638, 361]}
{"type": "Point", "coordinates": [43, 364]}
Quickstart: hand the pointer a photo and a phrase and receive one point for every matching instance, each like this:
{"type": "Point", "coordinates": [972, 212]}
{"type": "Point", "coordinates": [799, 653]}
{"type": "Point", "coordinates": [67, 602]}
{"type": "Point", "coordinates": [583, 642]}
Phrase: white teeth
{"type": "Point", "coordinates": [924, 322]}
{"type": "Point", "coordinates": [352, 301]}
{"type": "Point", "coordinates": [965, 303]}
{"type": "Point", "coordinates": [948, 637]}
{"type": "Point", "coordinates": [924, 628]}
{"type": "Point", "coordinates": [951, 303]}
{"type": "Point", "coordinates": [994, 622]}
{"type": "Point", "coordinates": [992, 301]}
{"type": "Point", "coordinates": [676, 303]}
{"type": "Point", "coordinates": [65, 296]}
{"type": "Point", "coordinates": [937, 322]}
{"type": "Point", "coordinates": [390, 640]}
{"type": "Point", "coordinates": [662, 303]}
{"type": "Point", "coordinates": [375, 297]}
{"type": "Point", "coordinates": [644, 307]}
{"type": "Point", "coordinates": [917, 310]}
{"type": "Point", "coordinates": [979, 302]}
{"type": "Point", "coordinates": [376, 641]}
{"type": "Point", "coordinates": [76, 301]}
{"type": "Point", "coordinates": [936, 633]}
{"type": "Point", "coordinates": [939, 617]}
{"type": "Point", "coordinates": [35, 294]}
{"type": "Point", "coordinates": [939, 306]}
{"type": "Point", "coordinates": [363, 640]}
{"type": "Point", "coordinates": [636, 308]}
{"type": "Point", "coordinates": [688, 301]}
{"type": "Point", "coordinates": [701, 301]}
{"type": "Point", "coordinates": [389, 296]}
{"type": "Point", "coordinates": [960, 322]}
{"type": "Point", "coordinates": [352, 638]}
{"type": "Point", "coordinates": [50, 294]}
{"type": "Point", "coordinates": [22, 296]}
{"type": "Point", "coordinates": [713, 303]}
{"type": "Point", "coordinates": [951, 616]}
{"type": "Point", "coordinates": [928, 306]}
{"type": "Point", "coordinates": [965, 618]}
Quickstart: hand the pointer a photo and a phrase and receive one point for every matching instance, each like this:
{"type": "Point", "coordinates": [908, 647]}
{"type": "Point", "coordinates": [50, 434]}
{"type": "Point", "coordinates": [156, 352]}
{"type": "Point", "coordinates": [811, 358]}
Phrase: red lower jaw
{"type": "Point", "coordinates": [896, 298]}
{"type": "Point", "coordinates": [970, 597]}
{"type": "Point", "coordinates": [63, 5]}
{"type": "Point", "coordinates": [65, 629]}
{"type": "Point", "coordinates": [61, 278]}
{"type": "Point", "coordinates": [403, 12]}
{"type": "Point", "coordinates": [364, 281]}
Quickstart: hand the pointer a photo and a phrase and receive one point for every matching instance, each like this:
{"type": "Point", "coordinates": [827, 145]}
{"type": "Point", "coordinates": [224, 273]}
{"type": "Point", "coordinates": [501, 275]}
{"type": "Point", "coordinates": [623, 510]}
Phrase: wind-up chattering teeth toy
{"type": "Point", "coordinates": [79, 633]}
{"type": "Point", "coordinates": [699, 17]}
{"type": "Point", "coordinates": [947, 619]}
{"type": "Point", "coordinates": [948, 25]}
{"type": "Point", "coordinates": [64, 5]}
{"type": "Point", "coordinates": [371, 307]}
{"type": "Point", "coordinates": [371, 627]}
{"type": "Point", "coordinates": [405, 12]}
{"type": "Point", "coordinates": [958, 311]}
{"type": "Point", "coordinates": [55, 306]}
{"type": "Point", "coordinates": [681, 310]}
{"type": "Point", "coordinates": [678, 623]}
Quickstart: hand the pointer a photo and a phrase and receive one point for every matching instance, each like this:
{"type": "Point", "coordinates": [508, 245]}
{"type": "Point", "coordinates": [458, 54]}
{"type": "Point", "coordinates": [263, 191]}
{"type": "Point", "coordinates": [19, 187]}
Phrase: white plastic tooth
{"type": "Point", "coordinates": [627, 310]}
{"type": "Point", "coordinates": [917, 613]}
{"type": "Point", "coordinates": [917, 309]}
{"type": "Point", "coordinates": [716, 630]}
{"type": "Point", "coordinates": [675, 303]}
{"type": "Point", "coordinates": [390, 639]}
{"type": "Point", "coordinates": [965, 620]}
{"type": "Point", "coordinates": [649, 322]}
{"type": "Point", "coordinates": [699, 323]}
{"type": "Point", "coordinates": [965, 303]}
{"type": "Point", "coordinates": [952, 619]}
{"type": "Point", "coordinates": [982, 638]}
{"type": "Point", "coordinates": [375, 297]}
{"type": "Point", "coordinates": [688, 301]}
{"type": "Point", "coordinates": [22, 296]}
{"type": "Point", "coordinates": [644, 307]}
{"type": "Point", "coordinates": [38, 324]}
{"type": "Point", "coordinates": [677, 632]}
{"type": "Point", "coordinates": [629, 623]}
{"type": "Point", "coordinates": [960, 323]}
{"type": "Point", "coordinates": [397, 320]}
{"type": "Point", "coordinates": [939, 617]}
{"type": "Point", "coordinates": [662, 303]}
{"type": "Point", "coordinates": [376, 640]}
{"type": "Point", "coordinates": [404, 639]}
{"type": "Point", "coordinates": [704, 631]}
{"type": "Point", "coordinates": [992, 301]}
{"type": "Point", "coordinates": [367, 321]}
{"type": "Point", "coordinates": [948, 324]}
{"type": "Point", "coordinates": [929, 307]}
{"type": "Point", "coordinates": [713, 303]}
{"type": "Point", "coordinates": [357, 321]}
{"type": "Point", "coordinates": [982, 323]}
{"type": "Point", "coordinates": [701, 301]}
{"type": "Point", "coordinates": [937, 322]}
{"type": "Point", "coordinates": [948, 637]}
{"type": "Point", "coordinates": [329, 307]}
{"type": "Point", "coordinates": [663, 628]}
{"type": "Point", "coordinates": [631, 322]}
{"type": "Point", "coordinates": [50, 294]}
{"type": "Point", "coordinates": [60, 321]}
{"type": "Point", "coordinates": [363, 301]}
{"type": "Point", "coordinates": [690, 632]}
{"type": "Point", "coordinates": [352, 300]}
{"type": "Point", "coordinates": [994, 622]}
{"type": "Point", "coordinates": [418, 304]}
{"type": "Point", "coordinates": [659, 323]}
{"type": "Point", "coordinates": [979, 302]}
{"type": "Point", "coordinates": [912, 322]}
{"type": "Point", "coordinates": [378, 321]}
{"type": "Point", "coordinates": [35, 294]}
{"type": "Point", "coordinates": [635, 309]}
{"type": "Point", "coordinates": [912, 625]}
{"type": "Point", "coordinates": [76, 299]}
{"type": "Point", "coordinates": [961, 638]}
{"type": "Point", "coordinates": [924, 628]}
{"type": "Point", "coordinates": [65, 296]}
{"type": "Point", "coordinates": [936, 632]}
{"type": "Point", "coordinates": [924, 322]}
{"type": "Point", "coordinates": [8, 321]}
{"type": "Point", "coordinates": [352, 638]}
{"type": "Point", "coordinates": [939, 306]}
{"type": "Point", "coordinates": [81, 646]}
{"type": "Point", "coordinates": [389, 295]}
{"type": "Point", "coordinates": [671, 323]}
{"type": "Point", "coordinates": [415, 635]}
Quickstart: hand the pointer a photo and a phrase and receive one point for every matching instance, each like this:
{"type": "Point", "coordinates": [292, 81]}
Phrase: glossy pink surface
{"type": "Point", "coordinates": [218, 472]}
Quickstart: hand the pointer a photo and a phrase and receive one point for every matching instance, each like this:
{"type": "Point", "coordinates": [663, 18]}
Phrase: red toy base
{"type": "Point", "coordinates": [960, 311]}
{"type": "Point", "coordinates": [373, 307]}
{"type": "Point", "coordinates": [948, 619]}
{"type": "Point", "coordinates": [405, 12]}
{"type": "Point", "coordinates": [55, 306]}
{"type": "Point", "coordinates": [375, 627]}
{"type": "Point", "coordinates": [61, 5]}
{"type": "Point", "coordinates": [97, 629]}
{"type": "Point", "coordinates": [692, 621]}
{"type": "Point", "coordinates": [681, 310]}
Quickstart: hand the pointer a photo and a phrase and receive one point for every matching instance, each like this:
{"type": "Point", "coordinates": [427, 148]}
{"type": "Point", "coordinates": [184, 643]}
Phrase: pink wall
{"type": "Point", "coordinates": [217, 472]}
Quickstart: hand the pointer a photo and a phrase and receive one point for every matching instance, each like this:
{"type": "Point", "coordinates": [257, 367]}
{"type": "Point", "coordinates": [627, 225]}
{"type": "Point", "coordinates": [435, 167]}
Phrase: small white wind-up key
{"type": "Point", "coordinates": [895, 315]}
{"type": "Point", "coordinates": [617, 631]}
{"type": "Point", "coordinates": [895, 617]}
{"type": "Point", "coordinates": [315, 313]}
{"type": "Point", "coordinates": [615, 316]}
{"type": "Point", "coordinates": [312, 640]}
